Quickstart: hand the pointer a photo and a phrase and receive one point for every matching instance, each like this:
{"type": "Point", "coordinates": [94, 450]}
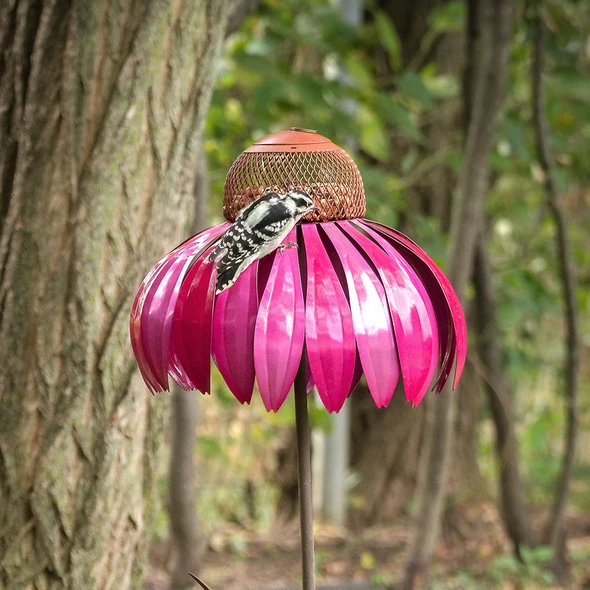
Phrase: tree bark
{"type": "Point", "coordinates": [100, 107]}
{"type": "Point", "coordinates": [286, 477]}
{"type": "Point", "coordinates": [466, 223]}
{"type": "Point", "coordinates": [568, 282]}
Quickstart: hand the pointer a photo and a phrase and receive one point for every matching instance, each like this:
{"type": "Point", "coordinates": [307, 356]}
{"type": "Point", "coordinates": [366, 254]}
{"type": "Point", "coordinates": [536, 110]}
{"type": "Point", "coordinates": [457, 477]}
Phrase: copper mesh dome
{"type": "Point", "coordinates": [297, 159]}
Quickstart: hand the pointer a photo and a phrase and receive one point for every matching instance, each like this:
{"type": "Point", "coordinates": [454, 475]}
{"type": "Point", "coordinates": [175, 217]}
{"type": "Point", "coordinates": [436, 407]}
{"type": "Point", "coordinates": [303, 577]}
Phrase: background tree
{"type": "Point", "coordinates": [467, 222]}
{"type": "Point", "coordinates": [409, 127]}
{"type": "Point", "coordinates": [489, 343]}
{"type": "Point", "coordinates": [100, 108]}
{"type": "Point", "coordinates": [386, 445]}
{"type": "Point", "coordinates": [189, 540]}
{"type": "Point", "coordinates": [567, 276]}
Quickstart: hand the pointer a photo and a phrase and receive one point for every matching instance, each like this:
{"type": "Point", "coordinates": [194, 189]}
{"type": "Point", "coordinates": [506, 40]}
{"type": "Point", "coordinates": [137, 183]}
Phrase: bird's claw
{"type": "Point", "coordinates": [287, 245]}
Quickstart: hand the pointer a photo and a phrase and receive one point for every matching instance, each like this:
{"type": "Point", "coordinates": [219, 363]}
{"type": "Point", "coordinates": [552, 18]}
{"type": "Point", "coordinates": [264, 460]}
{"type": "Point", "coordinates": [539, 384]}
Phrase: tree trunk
{"type": "Point", "coordinates": [567, 277]}
{"type": "Point", "coordinates": [100, 106]}
{"type": "Point", "coordinates": [489, 343]}
{"type": "Point", "coordinates": [286, 477]}
{"type": "Point", "coordinates": [466, 223]}
{"type": "Point", "coordinates": [499, 393]}
{"type": "Point", "coordinates": [188, 538]}
{"type": "Point", "coordinates": [385, 449]}
{"type": "Point", "coordinates": [390, 439]}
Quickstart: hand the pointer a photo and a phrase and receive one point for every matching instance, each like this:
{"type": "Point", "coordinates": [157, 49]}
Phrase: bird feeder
{"type": "Point", "coordinates": [297, 159]}
{"type": "Point", "coordinates": [356, 297]}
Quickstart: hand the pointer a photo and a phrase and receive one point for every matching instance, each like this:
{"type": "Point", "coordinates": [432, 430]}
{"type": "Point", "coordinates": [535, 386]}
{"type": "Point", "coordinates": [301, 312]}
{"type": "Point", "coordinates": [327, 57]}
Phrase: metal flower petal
{"type": "Point", "coordinates": [356, 298]}
{"type": "Point", "coordinates": [234, 322]}
{"type": "Point", "coordinates": [370, 314]}
{"type": "Point", "coordinates": [329, 329]}
{"type": "Point", "coordinates": [280, 329]}
{"type": "Point", "coordinates": [150, 323]}
{"type": "Point", "coordinates": [449, 313]}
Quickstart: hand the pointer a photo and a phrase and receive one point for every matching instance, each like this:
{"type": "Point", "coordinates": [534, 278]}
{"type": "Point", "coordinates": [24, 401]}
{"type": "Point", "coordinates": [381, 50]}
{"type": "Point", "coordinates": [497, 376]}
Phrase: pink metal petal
{"type": "Point", "coordinates": [280, 329]}
{"type": "Point", "coordinates": [178, 354]}
{"type": "Point", "coordinates": [197, 249]}
{"type": "Point", "coordinates": [151, 321]}
{"type": "Point", "coordinates": [264, 268]}
{"type": "Point", "coordinates": [411, 311]}
{"type": "Point", "coordinates": [149, 311]}
{"type": "Point", "coordinates": [450, 316]}
{"type": "Point", "coordinates": [329, 328]}
{"type": "Point", "coordinates": [135, 327]}
{"type": "Point", "coordinates": [233, 334]}
{"type": "Point", "coordinates": [157, 324]}
{"type": "Point", "coordinates": [370, 316]}
{"type": "Point", "coordinates": [192, 323]}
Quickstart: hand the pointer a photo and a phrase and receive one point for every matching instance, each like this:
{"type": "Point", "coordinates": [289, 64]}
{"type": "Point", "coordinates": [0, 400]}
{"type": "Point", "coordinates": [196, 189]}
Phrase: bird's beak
{"type": "Point", "coordinates": [313, 208]}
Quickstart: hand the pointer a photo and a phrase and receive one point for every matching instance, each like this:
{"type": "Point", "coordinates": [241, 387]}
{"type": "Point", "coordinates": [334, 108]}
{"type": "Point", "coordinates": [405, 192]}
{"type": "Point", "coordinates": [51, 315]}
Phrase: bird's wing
{"type": "Point", "coordinates": [268, 198]}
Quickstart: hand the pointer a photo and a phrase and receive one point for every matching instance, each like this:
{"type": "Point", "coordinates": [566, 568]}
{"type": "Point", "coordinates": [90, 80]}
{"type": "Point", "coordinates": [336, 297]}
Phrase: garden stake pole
{"type": "Point", "coordinates": [304, 479]}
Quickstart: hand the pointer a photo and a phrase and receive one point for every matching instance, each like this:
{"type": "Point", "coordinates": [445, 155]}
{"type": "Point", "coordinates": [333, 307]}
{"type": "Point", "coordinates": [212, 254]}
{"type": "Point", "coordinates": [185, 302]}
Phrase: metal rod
{"type": "Point", "coordinates": [304, 479]}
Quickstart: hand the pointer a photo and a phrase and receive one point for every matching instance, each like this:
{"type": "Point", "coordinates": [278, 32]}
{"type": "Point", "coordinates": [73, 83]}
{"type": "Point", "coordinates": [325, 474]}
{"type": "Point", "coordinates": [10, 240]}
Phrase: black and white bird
{"type": "Point", "coordinates": [258, 230]}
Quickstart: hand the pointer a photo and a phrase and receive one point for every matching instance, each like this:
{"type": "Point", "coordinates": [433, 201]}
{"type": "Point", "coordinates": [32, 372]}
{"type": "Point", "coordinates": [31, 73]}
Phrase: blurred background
{"type": "Point", "coordinates": [91, 465]}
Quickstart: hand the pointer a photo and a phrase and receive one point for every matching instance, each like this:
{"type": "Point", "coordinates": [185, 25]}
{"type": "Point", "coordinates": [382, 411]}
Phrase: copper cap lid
{"type": "Point", "coordinates": [297, 159]}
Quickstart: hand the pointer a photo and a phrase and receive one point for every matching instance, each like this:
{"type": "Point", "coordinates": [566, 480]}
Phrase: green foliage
{"type": "Point", "coordinates": [389, 39]}
{"type": "Point", "coordinates": [448, 18]}
{"type": "Point", "coordinates": [299, 64]}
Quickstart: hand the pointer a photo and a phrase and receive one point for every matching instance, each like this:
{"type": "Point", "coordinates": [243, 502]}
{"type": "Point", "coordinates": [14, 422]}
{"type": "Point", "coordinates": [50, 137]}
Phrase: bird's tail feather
{"type": "Point", "coordinates": [227, 277]}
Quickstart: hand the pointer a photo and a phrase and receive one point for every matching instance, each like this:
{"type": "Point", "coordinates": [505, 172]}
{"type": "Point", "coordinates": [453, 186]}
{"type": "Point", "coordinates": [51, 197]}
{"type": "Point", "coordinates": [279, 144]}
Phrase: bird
{"type": "Point", "coordinates": [257, 231]}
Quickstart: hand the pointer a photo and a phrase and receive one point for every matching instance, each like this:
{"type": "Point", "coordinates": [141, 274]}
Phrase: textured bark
{"type": "Point", "coordinates": [466, 223]}
{"type": "Point", "coordinates": [568, 281]}
{"type": "Point", "coordinates": [514, 509]}
{"type": "Point", "coordinates": [100, 106]}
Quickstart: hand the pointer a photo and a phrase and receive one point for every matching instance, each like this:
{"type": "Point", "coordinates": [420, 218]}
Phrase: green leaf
{"type": "Point", "coordinates": [359, 72]}
{"type": "Point", "coordinates": [412, 85]}
{"type": "Point", "coordinates": [390, 40]}
{"type": "Point", "coordinates": [392, 111]}
{"type": "Point", "coordinates": [448, 18]}
{"type": "Point", "coordinates": [209, 446]}
{"type": "Point", "coordinates": [373, 139]}
{"type": "Point", "coordinates": [515, 134]}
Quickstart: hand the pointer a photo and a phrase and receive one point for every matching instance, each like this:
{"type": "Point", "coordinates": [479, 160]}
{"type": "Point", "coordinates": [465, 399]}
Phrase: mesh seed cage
{"type": "Point", "coordinates": [297, 159]}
